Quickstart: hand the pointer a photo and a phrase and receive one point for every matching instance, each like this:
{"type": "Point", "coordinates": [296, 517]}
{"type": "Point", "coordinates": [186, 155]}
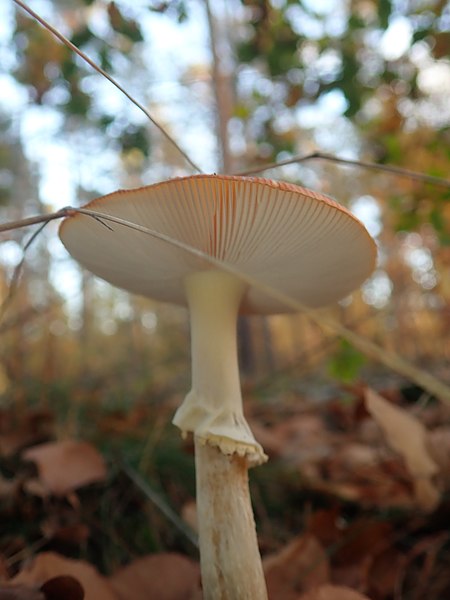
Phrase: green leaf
{"type": "Point", "coordinates": [437, 220]}
{"type": "Point", "coordinates": [408, 221]}
{"type": "Point", "coordinates": [346, 363]}
{"type": "Point", "coordinates": [135, 137]}
{"type": "Point", "coordinates": [247, 52]}
{"type": "Point", "coordinates": [440, 225]}
{"type": "Point", "coordinates": [421, 34]}
{"type": "Point", "coordinates": [81, 37]}
{"type": "Point", "coordinates": [241, 111]}
{"type": "Point", "coordinates": [182, 12]}
{"type": "Point", "coordinates": [444, 238]}
{"type": "Point", "coordinates": [79, 102]}
{"type": "Point", "coordinates": [393, 148]}
{"type": "Point", "coordinates": [104, 121]}
{"type": "Point", "coordinates": [127, 27]}
{"type": "Point", "coordinates": [68, 68]}
{"type": "Point", "coordinates": [384, 12]}
{"type": "Point", "coordinates": [105, 60]}
{"type": "Point", "coordinates": [348, 82]}
{"type": "Point", "coordinates": [355, 22]}
{"type": "Point", "coordinates": [175, 8]}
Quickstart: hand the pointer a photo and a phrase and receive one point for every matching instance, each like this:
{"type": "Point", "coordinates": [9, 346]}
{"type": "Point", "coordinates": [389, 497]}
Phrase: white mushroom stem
{"type": "Point", "coordinates": [224, 444]}
{"type": "Point", "coordinates": [212, 410]}
{"type": "Point", "coordinates": [229, 555]}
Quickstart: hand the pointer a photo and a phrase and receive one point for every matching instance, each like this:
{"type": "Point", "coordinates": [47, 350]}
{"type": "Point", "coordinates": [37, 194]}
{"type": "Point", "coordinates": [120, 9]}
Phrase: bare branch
{"type": "Point", "coordinates": [91, 63]}
{"type": "Point", "coordinates": [399, 171]}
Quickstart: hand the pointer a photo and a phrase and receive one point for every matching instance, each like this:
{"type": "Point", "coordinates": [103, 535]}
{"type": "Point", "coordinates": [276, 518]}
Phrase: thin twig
{"type": "Point", "coordinates": [160, 503]}
{"type": "Point", "coordinates": [64, 212]}
{"type": "Point", "coordinates": [41, 220]}
{"type": "Point", "coordinates": [90, 62]}
{"type": "Point", "coordinates": [382, 355]}
{"type": "Point", "coordinates": [390, 359]}
{"type": "Point", "coordinates": [18, 270]}
{"type": "Point", "coordinates": [26, 552]}
{"type": "Point", "coordinates": [399, 171]}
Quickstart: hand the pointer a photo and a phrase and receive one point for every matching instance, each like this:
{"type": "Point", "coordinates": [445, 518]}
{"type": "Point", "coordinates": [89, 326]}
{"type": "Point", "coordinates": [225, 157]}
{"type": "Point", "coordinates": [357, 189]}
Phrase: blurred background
{"type": "Point", "coordinates": [239, 84]}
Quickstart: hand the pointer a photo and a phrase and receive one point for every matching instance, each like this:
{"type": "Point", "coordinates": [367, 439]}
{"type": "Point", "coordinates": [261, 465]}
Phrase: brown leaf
{"type": "Point", "coordinates": [47, 565]}
{"type": "Point", "coordinates": [332, 592]}
{"type": "Point", "coordinates": [407, 436]}
{"type": "Point", "coordinates": [63, 586]}
{"type": "Point", "coordinates": [438, 443]}
{"type": "Point", "coordinates": [383, 485]}
{"type": "Point", "coordinates": [363, 537]}
{"type": "Point", "coordinates": [386, 571]}
{"type": "Point", "coordinates": [8, 488]}
{"type": "Point", "coordinates": [75, 534]}
{"type": "Point", "coordinates": [325, 525]}
{"type": "Point", "coordinates": [166, 576]}
{"type": "Point", "coordinates": [12, 442]}
{"type": "Point", "coordinates": [305, 438]}
{"type": "Point", "coordinates": [66, 466]}
{"type": "Point", "coordinates": [353, 556]}
{"type": "Point", "coordinates": [300, 565]}
{"type": "Point", "coordinates": [30, 428]}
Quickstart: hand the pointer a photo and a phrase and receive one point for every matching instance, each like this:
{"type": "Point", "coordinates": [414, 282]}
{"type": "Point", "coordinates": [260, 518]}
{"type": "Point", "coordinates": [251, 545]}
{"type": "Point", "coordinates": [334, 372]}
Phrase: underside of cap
{"type": "Point", "coordinates": [294, 240]}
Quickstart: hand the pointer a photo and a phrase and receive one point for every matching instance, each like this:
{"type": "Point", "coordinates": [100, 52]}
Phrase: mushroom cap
{"type": "Point", "coordinates": [292, 239]}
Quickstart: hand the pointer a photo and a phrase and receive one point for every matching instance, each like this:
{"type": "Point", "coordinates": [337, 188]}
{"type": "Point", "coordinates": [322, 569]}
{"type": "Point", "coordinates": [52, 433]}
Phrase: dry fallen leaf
{"type": "Point", "coordinates": [332, 592]}
{"type": "Point", "coordinates": [18, 432]}
{"type": "Point", "coordinates": [66, 466]}
{"type": "Point", "coordinates": [370, 485]}
{"type": "Point", "coordinates": [407, 436]}
{"type": "Point", "coordinates": [299, 566]}
{"type": "Point", "coordinates": [438, 443]}
{"type": "Point", "coordinates": [305, 439]}
{"type": "Point", "coordinates": [386, 571]}
{"type": "Point", "coordinates": [167, 576]}
{"type": "Point", "coordinates": [63, 586]}
{"type": "Point", "coordinates": [356, 549]}
{"type": "Point", "coordinates": [47, 565]}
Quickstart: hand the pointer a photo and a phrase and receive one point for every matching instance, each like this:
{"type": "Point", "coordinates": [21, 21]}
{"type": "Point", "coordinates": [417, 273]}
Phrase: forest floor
{"type": "Point", "coordinates": [354, 502]}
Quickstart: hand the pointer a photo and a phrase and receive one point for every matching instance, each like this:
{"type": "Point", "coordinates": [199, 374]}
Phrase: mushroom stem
{"type": "Point", "coordinates": [224, 444]}
{"type": "Point", "coordinates": [229, 555]}
{"type": "Point", "coordinates": [213, 408]}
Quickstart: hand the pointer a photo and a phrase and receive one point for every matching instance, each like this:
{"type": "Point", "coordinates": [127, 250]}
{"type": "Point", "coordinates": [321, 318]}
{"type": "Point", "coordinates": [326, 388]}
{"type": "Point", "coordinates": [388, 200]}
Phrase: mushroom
{"type": "Point", "coordinates": [287, 237]}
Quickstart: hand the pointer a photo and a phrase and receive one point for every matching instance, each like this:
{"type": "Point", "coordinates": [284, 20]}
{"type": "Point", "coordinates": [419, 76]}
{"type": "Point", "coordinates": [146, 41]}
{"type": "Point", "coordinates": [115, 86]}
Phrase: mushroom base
{"type": "Point", "coordinates": [230, 560]}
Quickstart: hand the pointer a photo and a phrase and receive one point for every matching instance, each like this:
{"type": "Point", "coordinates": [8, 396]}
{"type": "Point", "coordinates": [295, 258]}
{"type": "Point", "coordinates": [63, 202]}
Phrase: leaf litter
{"type": "Point", "coordinates": [353, 506]}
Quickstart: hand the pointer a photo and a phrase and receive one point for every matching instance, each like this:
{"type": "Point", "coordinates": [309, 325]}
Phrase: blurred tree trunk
{"type": "Point", "coordinates": [223, 85]}
{"type": "Point", "coordinates": [224, 94]}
